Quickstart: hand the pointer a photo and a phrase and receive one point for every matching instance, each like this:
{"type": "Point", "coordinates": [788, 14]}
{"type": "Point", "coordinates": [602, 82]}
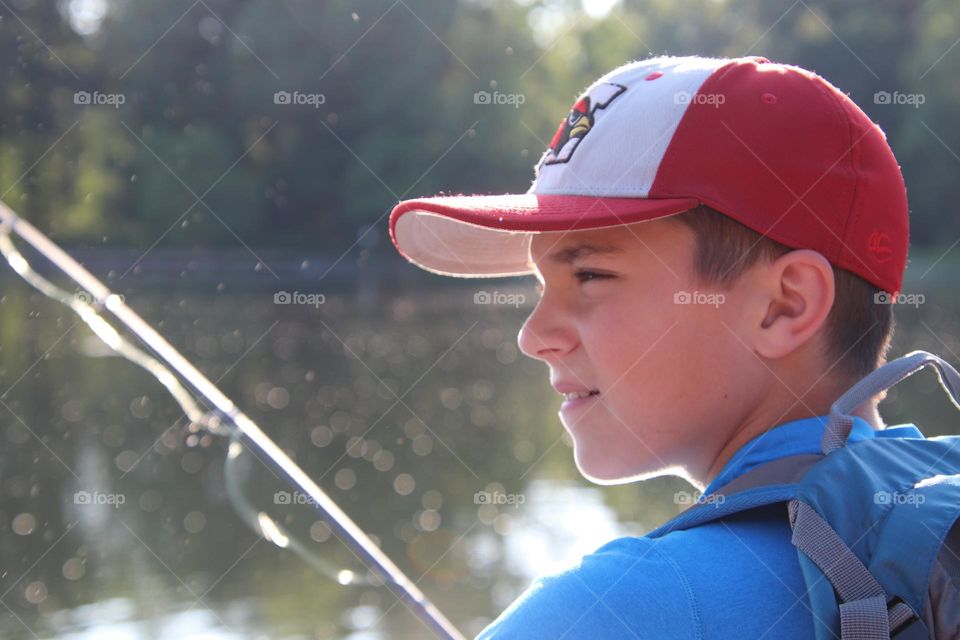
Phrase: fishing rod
{"type": "Point", "coordinates": [225, 419]}
{"type": "Point", "coordinates": [261, 523]}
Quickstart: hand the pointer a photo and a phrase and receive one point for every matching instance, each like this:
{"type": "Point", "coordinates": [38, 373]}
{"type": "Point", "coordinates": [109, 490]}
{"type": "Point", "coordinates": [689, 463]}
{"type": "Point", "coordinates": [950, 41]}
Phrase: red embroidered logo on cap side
{"type": "Point", "coordinates": [579, 122]}
{"type": "Point", "coordinates": [878, 244]}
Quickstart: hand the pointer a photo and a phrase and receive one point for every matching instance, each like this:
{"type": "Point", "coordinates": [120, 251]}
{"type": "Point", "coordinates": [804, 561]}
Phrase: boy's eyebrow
{"type": "Point", "coordinates": [569, 254]}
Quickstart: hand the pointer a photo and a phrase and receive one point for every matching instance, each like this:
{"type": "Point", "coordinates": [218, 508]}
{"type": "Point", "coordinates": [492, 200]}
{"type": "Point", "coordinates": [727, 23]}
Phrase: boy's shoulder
{"type": "Point", "coordinates": [698, 583]}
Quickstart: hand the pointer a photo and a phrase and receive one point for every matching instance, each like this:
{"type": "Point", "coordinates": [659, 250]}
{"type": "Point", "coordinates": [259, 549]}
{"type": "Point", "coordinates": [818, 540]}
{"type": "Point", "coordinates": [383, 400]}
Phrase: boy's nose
{"type": "Point", "coordinates": [544, 336]}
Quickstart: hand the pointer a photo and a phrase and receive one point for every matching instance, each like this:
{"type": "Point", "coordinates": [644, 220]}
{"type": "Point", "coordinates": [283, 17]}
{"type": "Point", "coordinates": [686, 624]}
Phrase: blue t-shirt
{"type": "Point", "coordinates": [734, 578]}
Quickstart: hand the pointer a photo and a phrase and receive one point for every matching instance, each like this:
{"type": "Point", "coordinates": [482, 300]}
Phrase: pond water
{"type": "Point", "coordinates": [411, 406]}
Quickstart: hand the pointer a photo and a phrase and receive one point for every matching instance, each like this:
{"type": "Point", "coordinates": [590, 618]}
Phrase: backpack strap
{"type": "Point", "coordinates": [768, 483]}
{"type": "Point", "coordinates": [787, 470]}
{"type": "Point", "coordinates": [879, 380]}
{"type": "Point", "coordinates": [864, 611]}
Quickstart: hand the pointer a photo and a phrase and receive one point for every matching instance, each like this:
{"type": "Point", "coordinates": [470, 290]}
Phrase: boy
{"type": "Point", "coordinates": [715, 241]}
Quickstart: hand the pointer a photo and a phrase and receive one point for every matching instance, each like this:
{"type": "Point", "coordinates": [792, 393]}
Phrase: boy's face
{"type": "Point", "coordinates": [633, 324]}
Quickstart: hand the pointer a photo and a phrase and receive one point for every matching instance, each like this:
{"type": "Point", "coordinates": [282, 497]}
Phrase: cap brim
{"type": "Point", "coordinates": [488, 236]}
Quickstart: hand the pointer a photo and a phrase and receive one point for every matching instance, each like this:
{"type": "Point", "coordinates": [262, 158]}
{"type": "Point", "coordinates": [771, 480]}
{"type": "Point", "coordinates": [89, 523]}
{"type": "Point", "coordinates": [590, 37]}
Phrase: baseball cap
{"type": "Point", "coordinates": [773, 146]}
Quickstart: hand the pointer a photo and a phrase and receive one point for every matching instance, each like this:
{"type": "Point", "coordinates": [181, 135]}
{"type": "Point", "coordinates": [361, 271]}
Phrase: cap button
{"type": "Point", "coordinates": [654, 75]}
{"type": "Point", "coordinates": [769, 98]}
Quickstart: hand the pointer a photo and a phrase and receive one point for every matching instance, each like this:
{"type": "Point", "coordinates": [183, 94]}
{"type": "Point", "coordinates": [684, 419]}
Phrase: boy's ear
{"type": "Point", "coordinates": [797, 291]}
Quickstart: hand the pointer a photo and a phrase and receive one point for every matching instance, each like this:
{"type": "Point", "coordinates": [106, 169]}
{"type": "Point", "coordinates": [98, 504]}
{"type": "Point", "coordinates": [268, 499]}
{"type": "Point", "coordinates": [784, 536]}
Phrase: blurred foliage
{"type": "Point", "coordinates": [199, 152]}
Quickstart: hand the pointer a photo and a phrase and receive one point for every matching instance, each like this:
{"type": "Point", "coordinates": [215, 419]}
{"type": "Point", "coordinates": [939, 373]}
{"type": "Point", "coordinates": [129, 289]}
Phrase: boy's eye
{"type": "Point", "coordinates": [584, 275]}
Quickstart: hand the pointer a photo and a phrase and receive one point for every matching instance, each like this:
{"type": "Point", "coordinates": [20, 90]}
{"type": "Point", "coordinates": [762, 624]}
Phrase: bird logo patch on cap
{"type": "Point", "coordinates": [579, 121]}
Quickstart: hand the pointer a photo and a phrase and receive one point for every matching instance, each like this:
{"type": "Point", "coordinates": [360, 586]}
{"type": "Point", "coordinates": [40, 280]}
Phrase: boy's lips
{"type": "Point", "coordinates": [572, 401]}
{"type": "Point", "coordinates": [574, 391]}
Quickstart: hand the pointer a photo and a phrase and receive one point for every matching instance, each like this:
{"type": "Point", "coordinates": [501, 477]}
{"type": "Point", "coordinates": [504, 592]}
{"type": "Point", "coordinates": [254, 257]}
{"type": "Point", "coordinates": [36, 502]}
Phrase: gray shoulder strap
{"type": "Point", "coordinates": [881, 379]}
{"type": "Point", "coordinates": [863, 602]}
{"type": "Point", "coordinates": [787, 470]}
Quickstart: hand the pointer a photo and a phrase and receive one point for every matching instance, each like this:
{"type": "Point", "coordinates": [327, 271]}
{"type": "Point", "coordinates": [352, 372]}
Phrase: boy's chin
{"type": "Point", "coordinates": [601, 469]}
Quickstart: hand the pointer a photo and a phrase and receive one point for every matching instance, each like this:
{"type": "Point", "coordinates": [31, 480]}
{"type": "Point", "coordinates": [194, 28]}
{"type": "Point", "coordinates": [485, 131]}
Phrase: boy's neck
{"type": "Point", "coordinates": [871, 415]}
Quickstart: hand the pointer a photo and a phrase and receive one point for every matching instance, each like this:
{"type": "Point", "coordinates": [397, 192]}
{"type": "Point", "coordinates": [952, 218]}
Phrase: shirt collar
{"type": "Point", "coordinates": [796, 437]}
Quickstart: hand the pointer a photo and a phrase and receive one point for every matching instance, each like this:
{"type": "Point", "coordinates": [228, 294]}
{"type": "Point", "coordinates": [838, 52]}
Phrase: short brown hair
{"type": "Point", "coordinates": [858, 330]}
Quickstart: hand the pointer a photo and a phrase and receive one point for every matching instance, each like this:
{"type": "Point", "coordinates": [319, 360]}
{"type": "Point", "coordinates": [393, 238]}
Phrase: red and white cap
{"type": "Point", "coordinates": [773, 146]}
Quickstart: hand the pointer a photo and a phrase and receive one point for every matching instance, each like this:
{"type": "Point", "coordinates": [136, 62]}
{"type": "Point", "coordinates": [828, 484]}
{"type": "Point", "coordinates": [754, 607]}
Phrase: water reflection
{"type": "Point", "coordinates": [116, 619]}
{"type": "Point", "coordinates": [558, 524]}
